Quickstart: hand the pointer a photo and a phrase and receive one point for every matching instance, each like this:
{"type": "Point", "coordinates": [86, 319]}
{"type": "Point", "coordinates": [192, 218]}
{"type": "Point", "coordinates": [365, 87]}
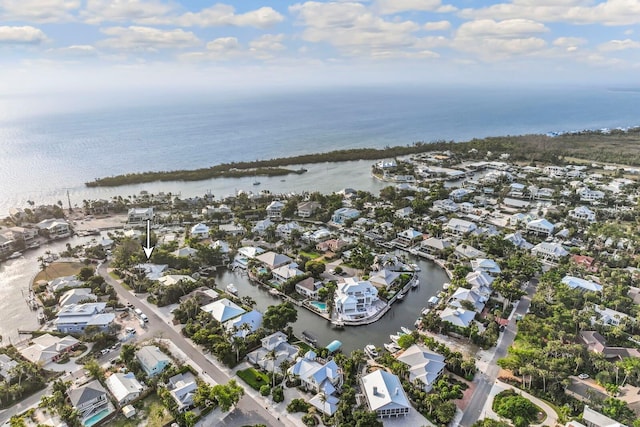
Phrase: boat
{"type": "Point", "coordinates": [400, 296]}
{"type": "Point", "coordinates": [274, 292]}
{"type": "Point", "coordinates": [425, 311]}
{"type": "Point", "coordinates": [415, 284]}
{"type": "Point", "coordinates": [309, 337]}
{"type": "Point", "coordinates": [417, 323]}
{"type": "Point", "coordinates": [395, 338]}
{"type": "Point", "coordinates": [405, 330]}
{"type": "Point", "coordinates": [33, 245]}
{"type": "Point", "coordinates": [370, 349]}
{"type": "Point", "coordinates": [415, 267]}
{"type": "Point", "coordinates": [232, 289]}
{"type": "Point", "coordinates": [15, 255]}
{"type": "Point", "coordinates": [391, 347]}
{"type": "Point", "coordinates": [256, 182]}
{"type": "Point", "coordinates": [446, 286]}
{"type": "Point", "coordinates": [338, 324]}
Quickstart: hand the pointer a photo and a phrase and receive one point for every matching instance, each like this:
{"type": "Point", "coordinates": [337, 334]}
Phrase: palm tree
{"type": "Point", "coordinates": [271, 355]}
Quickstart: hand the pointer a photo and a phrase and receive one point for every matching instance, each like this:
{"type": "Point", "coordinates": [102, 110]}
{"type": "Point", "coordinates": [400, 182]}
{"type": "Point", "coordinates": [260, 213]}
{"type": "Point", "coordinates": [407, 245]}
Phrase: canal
{"type": "Point", "coordinates": [402, 313]}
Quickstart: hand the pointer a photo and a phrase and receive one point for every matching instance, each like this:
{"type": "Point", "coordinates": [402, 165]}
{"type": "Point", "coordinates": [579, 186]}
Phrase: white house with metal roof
{"type": "Point", "coordinates": [124, 387]}
{"type": "Point", "coordinates": [384, 394]}
{"type": "Point", "coordinates": [424, 366]}
{"type": "Point", "coordinates": [74, 318]}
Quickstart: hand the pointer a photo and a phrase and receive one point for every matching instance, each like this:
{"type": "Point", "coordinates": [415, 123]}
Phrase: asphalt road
{"type": "Point", "coordinates": [248, 409]}
{"type": "Point", "coordinates": [484, 380]}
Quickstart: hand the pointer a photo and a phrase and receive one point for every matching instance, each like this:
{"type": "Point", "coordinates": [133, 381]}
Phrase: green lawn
{"type": "Point", "coordinates": [310, 255]}
{"type": "Point", "coordinates": [154, 412]}
{"type": "Point", "coordinates": [254, 378]}
{"type": "Point", "coordinates": [304, 347]}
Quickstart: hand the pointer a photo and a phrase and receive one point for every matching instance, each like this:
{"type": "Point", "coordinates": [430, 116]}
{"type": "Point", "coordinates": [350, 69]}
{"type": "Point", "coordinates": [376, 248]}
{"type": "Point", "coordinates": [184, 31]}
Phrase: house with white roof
{"type": "Point", "coordinates": [540, 226]}
{"type": "Point", "coordinates": [151, 271]}
{"type": "Point", "coordinates": [549, 251]}
{"type": "Point", "coordinates": [75, 296]}
{"type": "Point", "coordinates": [307, 209]}
{"type": "Point", "coordinates": [424, 366]}
{"type": "Point", "coordinates": [588, 195]}
{"type": "Point", "coordinates": [185, 252]}
{"type": "Point", "coordinates": [592, 418]}
{"type": "Point", "coordinates": [199, 231]}
{"type": "Point", "coordinates": [608, 316]}
{"type": "Point", "coordinates": [408, 237]}
{"type": "Point", "coordinates": [583, 213]}
{"type": "Point", "coordinates": [385, 395]}
{"type": "Point", "coordinates": [459, 227]}
{"type": "Point", "coordinates": [74, 318]}
{"type": "Point", "coordinates": [518, 241]}
{"type": "Point", "coordinates": [174, 279]}
{"type": "Point", "coordinates": [479, 278]}
{"type": "Point", "coordinates": [6, 366]}
{"type": "Point", "coordinates": [56, 228]}
{"type": "Point", "coordinates": [273, 260]}
{"type": "Point", "coordinates": [152, 360]}
{"type": "Point", "coordinates": [139, 216]}
{"type": "Point", "coordinates": [124, 387]}
{"type": "Point", "coordinates": [486, 265]}
{"type": "Point", "coordinates": [459, 194]}
{"type": "Point", "coordinates": [47, 348]}
{"type": "Point", "coordinates": [182, 388]}
{"type": "Point", "coordinates": [445, 205]}
{"type": "Point", "coordinates": [340, 216]}
{"type": "Point", "coordinates": [403, 212]}
{"type": "Point", "coordinates": [285, 230]}
{"type": "Point", "coordinates": [457, 316]}
{"type": "Point", "coordinates": [262, 226]}
{"type": "Point", "coordinates": [286, 272]}
{"type": "Point", "coordinates": [462, 294]}
{"type": "Point", "coordinates": [244, 324]}
{"type": "Point", "coordinates": [223, 310]}
{"type": "Point", "coordinates": [582, 284]}
{"type": "Point", "coordinates": [328, 405]}
{"type": "Point", "coordinates": [434, 246]}
{"type": "Point", "coordinates": [355, 299]}
{"type": "Point", "coordinates": [315, 376]}
{"type": "Point", "coordinates": [384, 278]}
{"type": "Point", "coordinates": [466, 251]}
{"type": "Point", "coordinates": [232, 229]}
{"type": "Point", "coordinates": [276, 343]}
{"type": "Point", "coordinates": [274, 210]}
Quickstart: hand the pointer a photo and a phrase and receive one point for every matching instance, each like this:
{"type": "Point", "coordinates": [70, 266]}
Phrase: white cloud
{"type": "Point", "coordinates": [38, 10]}
{"type": "Point", "coordinates": [74, 51]}
{"type": "Point", "coordinates": [617, 45]}
{"type": "Point", "coordinates": [389, 7]}
{"type": "Point", "coordinates": [229, 48]}
{"type": "Point", "coordinates": [268, 42]}
{"type": "Point", "coordinates": [149, 39]}
{"type": "Point", "coordinates": [222, 14]}
{"type": "Point", "coordinates": [25, 35]}
{"type": "Point", "coordinates": [569, 41]}
{"type": "Point", "coordinates": [356, 31]}
{"type": "Point", "coordinates": [98, 11]}
{"type": "Point", "coordinates": [609, 12]}
{"type": "Point", "coordinates": [437, 26]}
{"type": "Point", "coordinates": [491, 39]}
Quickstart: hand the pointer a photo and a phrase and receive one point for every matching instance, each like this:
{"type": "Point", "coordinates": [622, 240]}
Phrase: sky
{"type": "Point", "coordinates": [55, 44]}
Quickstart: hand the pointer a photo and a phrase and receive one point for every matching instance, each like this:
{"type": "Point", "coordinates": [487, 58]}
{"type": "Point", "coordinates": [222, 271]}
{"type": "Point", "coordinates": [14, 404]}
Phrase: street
{"type": "Point", "coordinates": [484, 380]}
{"type": "Point", "coordinates": [248, 410]}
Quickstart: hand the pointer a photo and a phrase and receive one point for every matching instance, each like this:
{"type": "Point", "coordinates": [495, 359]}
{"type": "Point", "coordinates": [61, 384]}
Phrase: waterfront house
{"type": "Point", "coordinates": [223, 310]}
{"type": "Point", "coordinates": [90, 400]}
{"type": "Point", "coordinates": [307, 209]}
{"type": "Point", "coordinates": [540, 226]}
{"type": "Point", "coordinates": [355, 299]}
{"type": "Point", "coordinates": [274, 210]}
{"type": "Point", "coordinates": [457, 316]}
{"type": "Point", "coordinates": [408, 237]}
{"type": "Point", "coordinates": [199, 231]}
{"type": "Point", "coordinates": [273, 260]}
{"type": "Point", "coordinates": [384, 394]}
{"type": "Point", "coordinates": [434, 246]}
{"type": "Point", "coordinates": [583, 213]}
{"type": "Point", "coordinates": [274, 351]}
{"type": "Point", "coordinates": [55, 228]}
{"type": "Point", "coordinates": [315, 376]}
{"type": "Point", "coordinates": [6, 367]}
{"type": "Point", "coordinates": [174, 279]}
{"type": "Point", "coordinates": [139, 216]}
{"type": "Point", "coordinates": [384, 278]}
{"type": "Point", "coordinates": [244, 324]}
{"type": "Point", "coordinates": [124, 387]}
{"type": "Point", "coordinates": [64, 282]}
{"type": "Point", "coordinates": [152, 360]}
{"type": "Point", "coordinates": [76, 296]}
{"type": "Point", "coordinates": [24, 234]}
{"type": "Point", "coordinates": [486, 265]}
{"type": "Point", "coordinates": [582, 284]}
{"type": "Point", "coordinates": [340, 216]}
{"type": "Point", "coordinates": [286, 272]}
{"type": "Point", "coordinates": [551, 252]}
{"type": "Point", "coordinates": [309, 287]}
{"type": "Point", "coordinates": [424, 366]}
{"type": "Point", "coordinates": [6, 246]}
{"type": "Point", "coordinates": [47, 348]}
{"type": "Point", "coordinates": [182, 388]}
{"type": "Point", "coordinates": [74, 318]}
{"type": "Point", "coordinates": [471, 296]}
{"type": "Point", "coordinates": [459, 227]}
{"type": "Point", "coordinates": [467, 252]}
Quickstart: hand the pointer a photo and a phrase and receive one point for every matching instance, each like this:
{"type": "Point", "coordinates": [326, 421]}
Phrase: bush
{"type": "Point", "coordinates": [309, 420]}
{"type": "Point", "coordinates": [265, 390]}
{"type": "Point", "coordinates": [278, 394]}
{"type": "Point", "coordinates": [298, 405]}
{"type": "Point", "coordinates": [519, 409]}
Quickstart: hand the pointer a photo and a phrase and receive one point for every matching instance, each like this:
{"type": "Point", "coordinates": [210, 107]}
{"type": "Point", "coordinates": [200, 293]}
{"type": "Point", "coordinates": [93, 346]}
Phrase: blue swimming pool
{"type": "Point", "coordinates": [95, 419]}
{"type": "Point", "coordinates": [321, 306]}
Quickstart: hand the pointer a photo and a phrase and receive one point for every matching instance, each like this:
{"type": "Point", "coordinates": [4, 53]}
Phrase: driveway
{"type": "Point", "coordinates": [551, 415]}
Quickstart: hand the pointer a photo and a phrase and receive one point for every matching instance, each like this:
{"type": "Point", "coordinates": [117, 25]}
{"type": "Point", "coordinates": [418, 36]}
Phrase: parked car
{"type": "Point", "coordinates": [583, 376]}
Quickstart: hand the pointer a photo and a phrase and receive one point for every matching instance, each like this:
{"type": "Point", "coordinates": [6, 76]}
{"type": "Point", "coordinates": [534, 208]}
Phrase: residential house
{"type": "Point", "coordinates": [333, 245]}
{"type": "Point", "coordinates": [385, 395]}
{"type": "Point", "coordinates": [27, 235]}
{"type": "Point", "coordinates": [480, 281]}
{"type": "Point", "coordinates": [185, 252]}
{"type": "Point", "coordinates": [467, 207]}
{"type": "Point", "coordinates": [459, 194]}
{"type": "Point", "coordinates": [274, 210]}
{"type": "Point", "coordinates": [355, 298]}
{"type": "Point", "coordinates": [309, 287]}
{"type": "Point", "coordinates": [468, 252]}
{"type": "Point", "coordinates": [408, 237]}
{"type": "Point", "coordinates": [445, 205]}
{"type": "Point", "coordinates": [223, 310]}
{"type": "Point", "coordinates": [592, 418]}
{"type": "Point", "coordinates": [262, 226]}
{"type": "Point", "coordinates": [596, 343]}
{"type": "Point", "coordinates": [64, 282]}
{"type": "Point", "coordinates": [582, 284]}
{"type": "Point", "coordinates": [340, 216]}
{"type": "Point", "coordinates": [139, 216]}
{"type": "Point", "coordinates": [75, 296]}
{"type": "Point", "coordinates": [316, 376]}
{"type": "Point", "coordinates": [457, 316]}
{"type": "Point", "coordinates": [384, 278]}
{"type": "Point", "coordinates": [151, 271]}
{"type": "Point", "coordinates": [182, 388]}
{"type": "Point", "coordinates": [459, 227]}
{"type": "Point", "coordinates": [124, 387]}
{"type": "Point", "coordinates": [55, 228]}
{"type": "Point", "coordinates": [174, 279]}
{"type": "Point", "coordinates": [486, 265]}
{"type": "Point", "coordinates": [434, 246]}
{"type": "Point", "coordinates": [607, 316]}
{"type": "Point", "coordinates": [6, 246]}
{"type": "Point", "coordinates": [471, 296]}
{"type": "Point", "coordinates": [549, 251]}
{"type": "Point", "coordinates": [587, 262]}
{"type": "Point", "coordinates": [588, 195]}
{"type": "Point", "coordinates": [540, 226]}
{"type": "Point", "coordinates": [74, 318]}
{"type": "Point", "coordinates": [307, 209]}
{"type": "Point", "coordinates": [232, 229]}
{"type": "Point", "coordinates": [244, 324]}
{"type": "Point", "coordinates": [90, 399]}
{"type": "Point", "coordinates": [6, 366]}
{"type": "Point", "coordinates": [328, 405]}
{"type": "Point", "coordinates": [518, 241]}
{"type": "Point", "coordinates": [152, 360]}
{"type": "Point", "coordinates": [273, 260]}
{"type": "Point", "coordinates": [583, 213]}
{"type": "Point", "coordinates": [424, 366]}
{"type": "Point", "coordinates": [555, 171]}
{"type": "Point", "coordinates": [199, 231]}
{"type": "Point", "coordinates": [274, 351]}
{"type": "Point", "coordinates": [317, 236]}
{"type": "Point", "coordinates": [47, 348]}
{"type": "Point", "coordinates": [284, 231]}
{"type": "Point", "coordinates": [403, 212]}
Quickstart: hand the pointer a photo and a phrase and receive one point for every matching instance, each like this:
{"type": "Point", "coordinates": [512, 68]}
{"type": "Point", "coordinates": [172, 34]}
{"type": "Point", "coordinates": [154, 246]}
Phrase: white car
{"type": "Point", "coordinates": [583, 376]}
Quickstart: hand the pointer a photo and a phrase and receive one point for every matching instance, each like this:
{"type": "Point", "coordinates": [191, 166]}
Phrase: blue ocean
{"type": "Point", "coordinates": [45, 149]}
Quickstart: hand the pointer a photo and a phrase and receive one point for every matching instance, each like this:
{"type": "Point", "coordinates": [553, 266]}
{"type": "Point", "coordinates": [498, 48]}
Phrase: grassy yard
{"type": "Point", "coordinates": [254, 378]}
{"type": "Point", "coordinates": [154, 412]}
{"type": "Point", "coordinates": [304, 347]}
{"type": "Point", "coordinates": [59, 269]}
{"type": "Point", "coordinates": [310, 255]}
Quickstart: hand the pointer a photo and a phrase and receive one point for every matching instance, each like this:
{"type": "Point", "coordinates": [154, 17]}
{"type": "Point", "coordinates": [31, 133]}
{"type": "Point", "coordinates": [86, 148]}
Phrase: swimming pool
{"type": "Point", "coordinates": [95, 419]}
{"type": "Point", "coordinates": [321, 306]}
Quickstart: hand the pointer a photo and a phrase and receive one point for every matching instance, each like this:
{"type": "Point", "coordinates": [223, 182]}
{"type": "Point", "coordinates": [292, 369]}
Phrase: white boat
{"type": "Point", "coordinates": [396, 337]}
{"type": "Point", "coordinates": [425, 311]}
{"type": "Point", "coordinates": [15, 255]}
{"type": "Point", "coordinates": [370, 349]}
{"type": "Point", "coordinates": [416, 324]}
{"type": "Point", "coordinates": [232, 289]}
{"type": "Point", "coordinates": [400, 297]}
{"type": "Point", "coordinates": [416, 284]}
{"type": "Point", "coordinates": [446, 286]}
{"type": "Point", "coordinates": [405, 330]}
{"type": "Point", "coordinates": [391, 347]}
{"type": "Point", "coordinates": [274, 292]}
{"type": "Point", "coordinates": [414, 267]}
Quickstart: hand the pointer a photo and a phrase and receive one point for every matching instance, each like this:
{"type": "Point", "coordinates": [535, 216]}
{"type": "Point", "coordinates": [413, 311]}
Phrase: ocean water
{"type": "Point", "coordinates": [47, 148]}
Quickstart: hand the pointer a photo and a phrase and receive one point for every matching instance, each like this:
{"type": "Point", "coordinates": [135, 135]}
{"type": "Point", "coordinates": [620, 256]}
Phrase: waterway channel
{"type": "Point", "coordinates": [402, 313]}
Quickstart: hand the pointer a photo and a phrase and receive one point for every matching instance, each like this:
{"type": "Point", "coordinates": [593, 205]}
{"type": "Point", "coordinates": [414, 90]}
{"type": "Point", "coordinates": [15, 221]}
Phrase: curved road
{"type": "Point", "coordinates": [248, 410]}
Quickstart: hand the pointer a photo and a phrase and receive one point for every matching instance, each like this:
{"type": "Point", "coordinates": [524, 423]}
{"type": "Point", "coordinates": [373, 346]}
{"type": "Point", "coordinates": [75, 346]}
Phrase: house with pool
{"type": "Point", "coordinates": [92, 401]}
{"type": "Point", "coordinates": [356, 300]}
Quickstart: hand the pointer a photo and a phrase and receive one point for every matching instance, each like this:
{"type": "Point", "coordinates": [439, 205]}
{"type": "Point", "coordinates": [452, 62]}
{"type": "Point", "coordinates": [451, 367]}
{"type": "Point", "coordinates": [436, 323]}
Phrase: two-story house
{"type": "Point", "coordinates": [355, 298]}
